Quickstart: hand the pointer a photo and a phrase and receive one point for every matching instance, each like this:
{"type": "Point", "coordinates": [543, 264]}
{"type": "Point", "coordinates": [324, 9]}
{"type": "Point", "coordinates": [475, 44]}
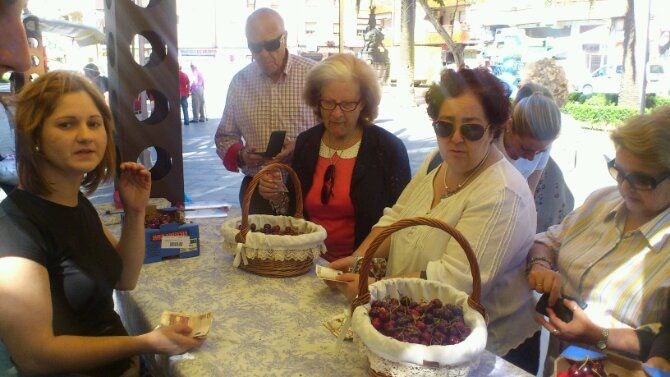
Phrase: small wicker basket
{"type": "Point", "coordinates": [390, 357]}
{"type": "Point", "coordinates": [273, 255]}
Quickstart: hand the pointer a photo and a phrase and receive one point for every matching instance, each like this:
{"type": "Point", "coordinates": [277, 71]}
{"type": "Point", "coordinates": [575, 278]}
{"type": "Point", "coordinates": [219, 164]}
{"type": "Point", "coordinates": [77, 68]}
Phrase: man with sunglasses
{"type": "Point", "coordinates": [612, 253]}
{"type": "Point", "coordinates": [264, 96]}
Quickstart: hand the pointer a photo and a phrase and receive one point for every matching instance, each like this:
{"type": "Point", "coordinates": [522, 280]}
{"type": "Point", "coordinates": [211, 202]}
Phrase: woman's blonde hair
{"type": "Point", "coordinates": [536, 115]}
{"type": "Point", "coordinates": [647, 137]}
{"type": "Point", "coordinates": [344, 68]}
{"type": "Point", "coordinates": [34, 104]}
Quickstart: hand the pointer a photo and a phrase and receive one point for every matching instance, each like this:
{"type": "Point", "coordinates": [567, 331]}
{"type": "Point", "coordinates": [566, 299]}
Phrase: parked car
{"type": "Point", "coordinates": [509, 77]}
{"type": "Point", "coordinates": [607, 80]}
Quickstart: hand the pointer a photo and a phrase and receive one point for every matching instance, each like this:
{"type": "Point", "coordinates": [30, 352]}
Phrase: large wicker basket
{"type": "Point", "coordinates": [390, 357]}
{"type": "Point", "coordinates": [273, 255]}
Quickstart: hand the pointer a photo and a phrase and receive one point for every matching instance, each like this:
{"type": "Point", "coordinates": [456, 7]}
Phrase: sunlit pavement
{"type": "Point", "coordinates": [578, 152]}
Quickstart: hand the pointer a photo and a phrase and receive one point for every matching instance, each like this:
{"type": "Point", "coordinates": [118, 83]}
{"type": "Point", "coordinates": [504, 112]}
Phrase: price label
{"type": "Point", "coordinates": [175, 242]}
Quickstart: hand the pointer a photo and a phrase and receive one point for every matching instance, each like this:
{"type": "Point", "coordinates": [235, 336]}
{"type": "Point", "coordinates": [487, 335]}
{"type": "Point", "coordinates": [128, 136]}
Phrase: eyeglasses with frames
{"type": "Point", "coordinates": [471, 132]}
{"type": "Point", "coordinates": [328, 184]}
{"type": "Point", "coordinates": [638, 181]}
{"type": "Point", "coordinates": [344, 106]}
{"type": "Point", "coordinates": [269, 46]}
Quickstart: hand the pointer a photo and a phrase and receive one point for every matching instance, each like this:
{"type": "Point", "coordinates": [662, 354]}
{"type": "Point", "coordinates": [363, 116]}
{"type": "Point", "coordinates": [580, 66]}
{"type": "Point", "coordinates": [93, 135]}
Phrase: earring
{"type": "Point", "coordinates": [37, 148]}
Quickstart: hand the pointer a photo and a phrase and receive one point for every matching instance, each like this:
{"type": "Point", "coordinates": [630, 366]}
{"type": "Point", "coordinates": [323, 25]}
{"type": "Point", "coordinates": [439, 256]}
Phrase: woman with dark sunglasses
{"type": "Point", "coordinates": [479, 192]}
{"type": "Point", "coordinates": [612, 253]}
{"type": "Point", "coordinates": [349, 168]}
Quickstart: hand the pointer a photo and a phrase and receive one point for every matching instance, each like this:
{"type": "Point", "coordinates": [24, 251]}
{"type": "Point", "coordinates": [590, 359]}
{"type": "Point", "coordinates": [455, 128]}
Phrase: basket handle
{"type": "Point", "coordinates": [474, 300]}
{"type": "Point", "coordinates": [241, 236]}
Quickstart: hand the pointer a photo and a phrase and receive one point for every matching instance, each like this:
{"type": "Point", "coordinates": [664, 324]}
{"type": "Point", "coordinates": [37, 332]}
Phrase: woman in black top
{"type": "Point", "coordinates": [58, 264]}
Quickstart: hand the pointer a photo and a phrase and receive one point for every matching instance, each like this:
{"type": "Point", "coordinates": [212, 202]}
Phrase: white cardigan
{"type": "Point", "coordinates": [496, 214]}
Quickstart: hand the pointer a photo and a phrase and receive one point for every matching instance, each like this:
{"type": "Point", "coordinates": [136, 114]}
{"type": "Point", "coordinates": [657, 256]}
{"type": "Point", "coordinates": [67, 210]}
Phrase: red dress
{"type": "Point", "coordinates": [337, 216]}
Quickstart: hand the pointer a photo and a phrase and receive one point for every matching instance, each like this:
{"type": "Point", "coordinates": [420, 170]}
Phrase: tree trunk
{"type": "Point", "coordinates": [406, 76]}
{"type": "Point", "coordinates": [629, 96]}
{"type": "Point", "coordinates": [455, 48]}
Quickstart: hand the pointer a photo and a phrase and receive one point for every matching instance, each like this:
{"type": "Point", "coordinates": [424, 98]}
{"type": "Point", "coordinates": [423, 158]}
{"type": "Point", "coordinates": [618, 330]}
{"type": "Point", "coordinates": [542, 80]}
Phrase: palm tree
{"type": "Point", "coordinates": [407, 21]}
{"type": "Point", "coordinates": [629, 96]}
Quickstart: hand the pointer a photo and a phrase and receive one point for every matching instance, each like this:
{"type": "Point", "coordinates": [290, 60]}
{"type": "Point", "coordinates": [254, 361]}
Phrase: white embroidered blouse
{"type": "Point", "coordinates": [496, 214]}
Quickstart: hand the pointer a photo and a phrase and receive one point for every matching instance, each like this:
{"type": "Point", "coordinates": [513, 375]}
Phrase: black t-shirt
{"type": "Point", "coordinates": [83, 265]}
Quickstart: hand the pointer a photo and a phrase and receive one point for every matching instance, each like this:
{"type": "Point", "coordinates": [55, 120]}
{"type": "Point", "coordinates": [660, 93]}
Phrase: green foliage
{"type": "Point", "coordinates": [654, 102]}
{"type": "Point", "coordinates": [597, 100]}
{"type": "Point", "coordinates": [600, 117]}
{"type": "Point", "coordinates": [575, 97]}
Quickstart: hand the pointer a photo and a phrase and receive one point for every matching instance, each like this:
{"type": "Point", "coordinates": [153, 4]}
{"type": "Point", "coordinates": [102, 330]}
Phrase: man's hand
{"type": "Point", "coordinates": [286, 153]}
{"type": "Point", "coordinates": [249, 159]}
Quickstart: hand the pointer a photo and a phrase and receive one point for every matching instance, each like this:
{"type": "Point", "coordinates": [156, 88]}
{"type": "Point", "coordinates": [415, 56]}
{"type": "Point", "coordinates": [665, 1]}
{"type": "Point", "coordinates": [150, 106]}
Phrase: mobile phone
{"type": "Point", "coordinates": [562, 312]}
{"type": "Point", "coordinates": [274, 146]}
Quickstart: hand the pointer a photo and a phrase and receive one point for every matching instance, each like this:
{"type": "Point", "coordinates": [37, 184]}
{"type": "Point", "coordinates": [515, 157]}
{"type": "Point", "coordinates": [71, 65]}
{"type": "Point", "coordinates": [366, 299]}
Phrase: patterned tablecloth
{"type": "Point", "coordinates": [262, 326]}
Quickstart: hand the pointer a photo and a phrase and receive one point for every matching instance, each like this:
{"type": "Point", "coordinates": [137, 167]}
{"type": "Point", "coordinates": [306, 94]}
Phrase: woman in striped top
{"type": "Point", "coordinates": [612, 253]}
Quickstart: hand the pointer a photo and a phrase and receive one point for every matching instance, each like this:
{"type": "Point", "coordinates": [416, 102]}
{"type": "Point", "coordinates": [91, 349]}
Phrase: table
{"type": "Point", "coordinates": [262, 326]}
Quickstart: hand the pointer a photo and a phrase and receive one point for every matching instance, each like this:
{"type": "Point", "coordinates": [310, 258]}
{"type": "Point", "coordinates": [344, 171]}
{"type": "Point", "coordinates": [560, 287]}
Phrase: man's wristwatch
{"type": "Point", "coordinates": [602, 343]}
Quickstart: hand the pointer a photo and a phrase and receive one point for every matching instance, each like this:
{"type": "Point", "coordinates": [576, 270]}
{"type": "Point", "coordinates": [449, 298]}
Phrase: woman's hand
{"type": "Point", "coordinates": [173, 340]}
{"type": "Point", "coordinates": [134, 187]}
{"type": "Point", "coordinates": [544, 280]}
{"type": "Point", "coordinates": [580, 330]}
{"type": "Point", "coordinates": [270, 186]}
{"type": "Point", "coordinates": [286, 152]}
{"type": "Point", "coordinates": [659, 363]}
{"type": "Point", "coordinates": [349, 285]}
{"type": "Point", "coordinates": [343, 264]}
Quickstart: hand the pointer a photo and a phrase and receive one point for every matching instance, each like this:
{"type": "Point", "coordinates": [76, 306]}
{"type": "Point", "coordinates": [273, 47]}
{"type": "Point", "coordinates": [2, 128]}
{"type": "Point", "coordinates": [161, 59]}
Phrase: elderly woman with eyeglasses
{"type": "Point", "coordinates": [612, 253]}
{"type": "Point", "coordinates": [349, 168]}
{"type": "Point", "coordinates": [478, 191]}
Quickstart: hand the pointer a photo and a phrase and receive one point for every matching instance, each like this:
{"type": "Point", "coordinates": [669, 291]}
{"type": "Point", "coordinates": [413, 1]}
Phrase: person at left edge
{"type": "Point", "coordinates": [264, 96]}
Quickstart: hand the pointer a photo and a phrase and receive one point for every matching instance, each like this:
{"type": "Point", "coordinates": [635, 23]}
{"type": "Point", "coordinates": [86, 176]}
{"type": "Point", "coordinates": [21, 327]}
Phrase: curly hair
{"type": "Point", "coordinates": [491, 93]}
{"type": "Point", "coordinates": [344, 67]}
{"type": "Point", "coordinates": [34, 104]}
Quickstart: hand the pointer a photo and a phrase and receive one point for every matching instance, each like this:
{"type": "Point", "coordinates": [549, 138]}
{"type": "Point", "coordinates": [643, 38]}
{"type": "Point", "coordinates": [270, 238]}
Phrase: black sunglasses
{"type": "Point", "coordinates": [328, 184]}
{"type": "Point", "coordinates": [472, 132]}
{"type": "Point", "coordinates": [269, 46]}
{"type": "Point", "coordinates": [638, 181]}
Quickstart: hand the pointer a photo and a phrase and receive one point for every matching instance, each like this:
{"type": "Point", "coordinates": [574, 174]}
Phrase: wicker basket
{"type": "Point", "coordinates": [273, 255]}
{"type": "Point", "coordinates": [390, 357]}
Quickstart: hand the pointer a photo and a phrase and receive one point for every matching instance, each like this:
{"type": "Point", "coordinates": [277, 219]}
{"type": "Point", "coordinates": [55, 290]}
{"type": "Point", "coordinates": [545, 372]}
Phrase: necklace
{"type": "Point", "coordinates": [449, 192]}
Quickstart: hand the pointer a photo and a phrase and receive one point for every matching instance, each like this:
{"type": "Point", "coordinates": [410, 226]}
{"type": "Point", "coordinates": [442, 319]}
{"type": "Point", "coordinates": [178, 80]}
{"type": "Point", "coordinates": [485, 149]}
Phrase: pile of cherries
{"type": "Point", "coordinates": [429, 324]}
{"type": "Point", "coordinates": [586, 368]}
{"type": "Point", "coordinates": [155, 219]}
{"type": "Point", "coordinates": [274, 230]}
